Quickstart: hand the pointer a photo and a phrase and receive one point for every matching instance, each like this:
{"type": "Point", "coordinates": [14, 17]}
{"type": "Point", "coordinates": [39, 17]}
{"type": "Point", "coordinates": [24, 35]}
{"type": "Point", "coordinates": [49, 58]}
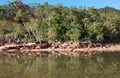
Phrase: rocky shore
{"type": "Point", "coordinates": [58, 48]}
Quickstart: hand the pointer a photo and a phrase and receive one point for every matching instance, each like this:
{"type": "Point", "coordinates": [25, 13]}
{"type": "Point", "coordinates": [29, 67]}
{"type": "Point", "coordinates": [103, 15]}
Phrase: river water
{"type": "Point", "coordinates": [105, 65]}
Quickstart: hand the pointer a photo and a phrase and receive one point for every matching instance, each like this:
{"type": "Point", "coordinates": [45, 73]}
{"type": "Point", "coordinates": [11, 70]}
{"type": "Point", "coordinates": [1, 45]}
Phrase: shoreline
{"type": "Point", "coordinates": [57, 49]}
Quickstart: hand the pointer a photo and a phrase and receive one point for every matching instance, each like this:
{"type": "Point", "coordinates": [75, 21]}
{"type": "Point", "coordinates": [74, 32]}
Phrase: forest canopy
{"type": "Point", "coordinates": [20, 22]}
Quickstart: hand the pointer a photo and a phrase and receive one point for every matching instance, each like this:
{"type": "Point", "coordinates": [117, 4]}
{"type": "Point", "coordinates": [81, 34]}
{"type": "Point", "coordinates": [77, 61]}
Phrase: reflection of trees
{"type": "Point", "coordinates": [100, 66]}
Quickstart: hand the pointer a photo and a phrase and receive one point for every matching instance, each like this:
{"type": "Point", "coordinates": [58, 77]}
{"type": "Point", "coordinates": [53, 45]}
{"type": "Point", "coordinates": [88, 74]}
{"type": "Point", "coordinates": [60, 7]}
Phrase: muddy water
{"type": "Point", "coordinates": [106, 65]}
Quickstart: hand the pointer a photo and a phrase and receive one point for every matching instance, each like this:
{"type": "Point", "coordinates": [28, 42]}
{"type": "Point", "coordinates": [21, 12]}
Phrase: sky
{"type": "Point", "coordinates": [76, 3]}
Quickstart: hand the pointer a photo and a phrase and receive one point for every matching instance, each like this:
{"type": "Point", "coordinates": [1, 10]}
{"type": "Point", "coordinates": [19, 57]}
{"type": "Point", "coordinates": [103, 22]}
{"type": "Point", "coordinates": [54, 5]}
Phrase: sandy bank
{"type": "Point", "coordinates": [67, 48]}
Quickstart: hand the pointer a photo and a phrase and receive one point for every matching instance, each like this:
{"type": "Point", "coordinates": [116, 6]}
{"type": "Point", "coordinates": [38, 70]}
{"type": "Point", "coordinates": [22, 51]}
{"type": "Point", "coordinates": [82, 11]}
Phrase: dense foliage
{"type": "Point", "coordinates": [24, 23]}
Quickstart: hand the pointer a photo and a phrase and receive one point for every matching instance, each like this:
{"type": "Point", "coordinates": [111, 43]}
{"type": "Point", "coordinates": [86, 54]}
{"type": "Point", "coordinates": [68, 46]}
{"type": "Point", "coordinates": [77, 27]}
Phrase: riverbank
{"type": "Point", "coordinates": [58, 48]}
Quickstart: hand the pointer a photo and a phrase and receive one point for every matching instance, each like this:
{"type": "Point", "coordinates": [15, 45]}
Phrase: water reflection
{"type": "Point", "coordinates": [104, 65]}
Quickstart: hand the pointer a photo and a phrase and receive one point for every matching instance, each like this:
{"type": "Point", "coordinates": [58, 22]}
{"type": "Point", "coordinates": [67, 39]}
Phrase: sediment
{"type": "Point", "coordinates": [58, 48]}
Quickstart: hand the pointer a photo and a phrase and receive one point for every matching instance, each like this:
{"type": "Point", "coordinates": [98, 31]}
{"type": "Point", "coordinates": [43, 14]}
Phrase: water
{"type": "Point", "coordinates": [106, 65]}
